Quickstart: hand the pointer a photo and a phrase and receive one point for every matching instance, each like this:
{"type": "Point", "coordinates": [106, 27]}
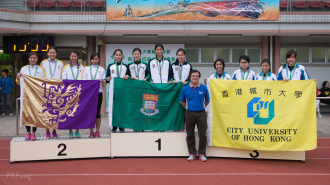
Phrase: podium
{"type": "Point", "coordinates": [173, 144]}
{"type": "Point", "coordinates": [61, 148]}
{"type": "Point", "coordinates": [129, 144]}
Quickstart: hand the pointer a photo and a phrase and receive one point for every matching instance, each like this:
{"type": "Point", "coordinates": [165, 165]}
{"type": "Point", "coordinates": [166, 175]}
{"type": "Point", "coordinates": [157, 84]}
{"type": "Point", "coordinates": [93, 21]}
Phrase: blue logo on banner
{"type": "Point", "coordinates": [256, 114]}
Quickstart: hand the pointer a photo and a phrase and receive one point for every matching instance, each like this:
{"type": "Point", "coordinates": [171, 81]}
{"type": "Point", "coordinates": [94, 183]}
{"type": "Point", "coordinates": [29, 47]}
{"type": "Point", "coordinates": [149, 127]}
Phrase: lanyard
{"type": "Point", "coordinates": [34, 72]}
{"type": "Point", "coordinates": [217, 77]}
{"type": "Point", "coordinates": [291, 73]}
{"type": "Point", "coordinates": [137, 74]}
{"type": "Point", "coordinates": [160, 69]}
{"type": "Point", "coordinates": [121, 65]}
{"type": "Point", "coordinates": [77, 72]}
{"type": "Point", "coordinates": [51, 68]}
{"type": "Point", "coordinates": [265, 77]}
{"type": "Point", "coordinates": [242, 76]}
{"type": "Point", "coordinates": [180, 71]}
{"type": "Point", "coordinates": [90, 68]}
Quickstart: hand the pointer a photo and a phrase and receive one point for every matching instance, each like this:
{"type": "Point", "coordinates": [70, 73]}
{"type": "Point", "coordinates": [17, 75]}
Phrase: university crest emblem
{"type": "Point", "coordinates": [149, 103]}
{"type": "Point", "coordinates": [62, 101]}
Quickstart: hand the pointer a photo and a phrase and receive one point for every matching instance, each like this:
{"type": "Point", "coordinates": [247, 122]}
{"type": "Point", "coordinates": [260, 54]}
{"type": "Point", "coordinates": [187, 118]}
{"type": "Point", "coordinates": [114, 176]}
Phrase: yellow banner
{"type": "Point", "coordinates": [263, 115]}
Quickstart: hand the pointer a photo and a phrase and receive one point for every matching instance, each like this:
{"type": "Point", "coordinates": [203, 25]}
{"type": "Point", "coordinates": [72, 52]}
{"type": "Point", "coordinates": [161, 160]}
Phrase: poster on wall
{"type": "Point", "coordinates": [192, 10]}
{"type": "Point", "coordinates": [147, 52]}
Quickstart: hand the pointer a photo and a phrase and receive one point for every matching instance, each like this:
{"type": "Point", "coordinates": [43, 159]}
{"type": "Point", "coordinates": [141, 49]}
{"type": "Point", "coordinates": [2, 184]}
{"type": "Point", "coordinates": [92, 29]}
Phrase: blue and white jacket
{"type": "Point", "coordinates": [224, 76]}
{"type": "Point", "coordinates": [270, 76]}
{"type": "Point", "coordinates": [300, 73]}
{"type": "Point", "coordinates": [251, 75]}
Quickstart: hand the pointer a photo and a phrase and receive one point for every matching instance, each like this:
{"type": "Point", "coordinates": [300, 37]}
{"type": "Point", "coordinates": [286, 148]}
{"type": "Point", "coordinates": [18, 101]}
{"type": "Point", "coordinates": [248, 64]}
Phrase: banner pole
{"type": "Point", "coordinates": [17, 131]}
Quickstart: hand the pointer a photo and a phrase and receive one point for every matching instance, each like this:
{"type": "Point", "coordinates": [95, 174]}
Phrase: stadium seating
{"type": "Point", "coordinates": [285, 4]}
{"type": "Point", "coordinates": [79, 4]}
{"type": "Point", "coordinates": [100, 4]}
{"type": "Point", "coordinates": [327, 3]}
{"type": "Point", "coordinates": [32, 3]}
{"type": "Point", "coordinates": [96, 4]}
{"type": "Point", "coordinates": [301, 4]}
{"type": "Point", "coordinates": [316, 4]}
{"type": "Point", "coordinates": [64, 4]}
{"type": "Point", "coordinates": [48, 4]}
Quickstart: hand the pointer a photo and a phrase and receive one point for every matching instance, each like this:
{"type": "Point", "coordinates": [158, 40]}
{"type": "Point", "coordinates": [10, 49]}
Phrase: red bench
{"type": "Point", "coordinates": [32, 3]}
{"type": "Point", "coordinates": [96, 4]}
{"type": "Point", "coordinates": [316, 4]}
{"type": "Point", "coordinates": [301, 4]}
{"type": "Point", "coordinates": [285, 4]}
{"type": "Point", "coordinates": [48, 4]}
{"type": "Point", "coordinates": [79, 4]}
{"type": "Point", "coordinates": [327, 3]}
{"type": "Point", "coordinates": [64, 4]}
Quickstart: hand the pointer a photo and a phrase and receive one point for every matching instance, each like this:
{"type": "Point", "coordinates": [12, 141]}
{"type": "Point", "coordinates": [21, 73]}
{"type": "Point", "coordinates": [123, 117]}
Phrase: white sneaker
{"type": "Point", "coordinates": [202, 157]}
{"type": "Point", "coordinates": [3, 114]}
{"type": "Point", "coordinates": [191, 157]}
{"type": "Point", "coordinates": [11, 114]}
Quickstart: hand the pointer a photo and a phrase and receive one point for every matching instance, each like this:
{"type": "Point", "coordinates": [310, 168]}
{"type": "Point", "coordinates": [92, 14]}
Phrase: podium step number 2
{"type": "Point", "coordinates": [61, 148]}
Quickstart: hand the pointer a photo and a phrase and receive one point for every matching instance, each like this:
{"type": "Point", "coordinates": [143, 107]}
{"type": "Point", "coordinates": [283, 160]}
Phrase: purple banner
{"type": "Point", "coordinates": [73, 104]}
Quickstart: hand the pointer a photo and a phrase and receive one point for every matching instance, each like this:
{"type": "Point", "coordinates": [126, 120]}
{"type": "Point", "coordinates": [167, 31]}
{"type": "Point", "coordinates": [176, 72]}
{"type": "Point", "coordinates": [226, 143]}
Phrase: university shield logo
{"type": "Point", "coordinates": [255, 106]}
{"type": "Point", "coordinates": [149, 103]}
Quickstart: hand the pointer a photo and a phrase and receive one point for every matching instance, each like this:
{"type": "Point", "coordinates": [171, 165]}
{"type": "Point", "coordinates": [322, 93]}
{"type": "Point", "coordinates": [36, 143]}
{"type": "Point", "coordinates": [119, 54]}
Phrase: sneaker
{"type": "Point", "coordinates": [202, 157]}
{"type": "Point", "coordinates": [11, 114]}
{"type": "Point", "coordinates": [54, 134]}
{"type": "Point", "coordinates": [3, 114]}
{"type": "Point", "coordinates": [319, 115]}
{"type": "Point", "coordinates": [77, 134]}
{"type": "Point", "coordinates": [71, 135]}
{"type": "Point", "coordinates": [191, 157]}
{"type": "Point", "coordinates": [97, 134]}
{"type": "Point", "coordinates": [33, 137]}
{"type": "Point", "coordinates": [27, 137]}
{"type": "Point", "coordinates": [113, 131]}
{"type": "Point", "coordinates": [91, 135]}
{"type": "Point", "coordinates": [48, 135]}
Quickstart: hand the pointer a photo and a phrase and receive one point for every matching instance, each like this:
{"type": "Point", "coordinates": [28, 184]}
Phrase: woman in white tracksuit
{"type": "Point", "coordinates": [159, 68]}
{"type": "Point", "coordinates": [73, 71]}
{"type": "Point", "coordinates": [266, 73]}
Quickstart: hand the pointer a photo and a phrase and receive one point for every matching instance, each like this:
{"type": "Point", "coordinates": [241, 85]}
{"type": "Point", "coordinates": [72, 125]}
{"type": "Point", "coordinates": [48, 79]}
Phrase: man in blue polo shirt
{"type": "Point", "coordinates": [197, 97]}
{"type": "Point", "coordinates": [6, 83]}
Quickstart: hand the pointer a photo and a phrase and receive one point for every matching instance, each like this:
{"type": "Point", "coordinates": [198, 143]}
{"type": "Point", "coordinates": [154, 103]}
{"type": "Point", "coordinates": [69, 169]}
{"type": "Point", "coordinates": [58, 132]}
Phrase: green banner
{"type": "Point", "coordinates": [141, 105]}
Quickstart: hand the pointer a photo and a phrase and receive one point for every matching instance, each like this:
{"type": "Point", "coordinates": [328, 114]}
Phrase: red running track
{"type": "Point", "coordinates": [161, 171]}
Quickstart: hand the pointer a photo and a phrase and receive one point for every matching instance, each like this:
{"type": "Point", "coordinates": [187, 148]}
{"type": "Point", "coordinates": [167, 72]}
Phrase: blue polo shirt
{"type": "Point", "coordinates": [195, 96]}
{"type": "Point", "coordinates": [6, 84]}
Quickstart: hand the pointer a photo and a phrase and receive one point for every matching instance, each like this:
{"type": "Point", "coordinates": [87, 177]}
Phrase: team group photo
{"type": "Point", "coordinates": [157, 92]}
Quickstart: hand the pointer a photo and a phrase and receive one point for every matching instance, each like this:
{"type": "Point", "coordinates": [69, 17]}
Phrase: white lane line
{"type": "Point", "coordinates": [174, 174]}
